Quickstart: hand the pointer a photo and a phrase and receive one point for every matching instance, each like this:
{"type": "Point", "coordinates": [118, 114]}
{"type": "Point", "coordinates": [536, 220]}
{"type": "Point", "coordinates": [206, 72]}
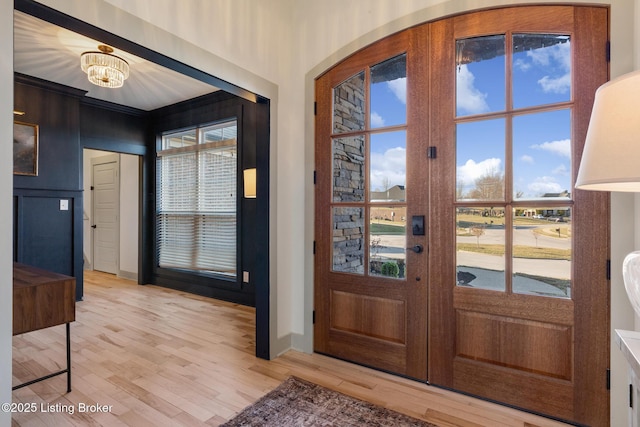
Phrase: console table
{"type": "Point", "coordinates": [42, 299]}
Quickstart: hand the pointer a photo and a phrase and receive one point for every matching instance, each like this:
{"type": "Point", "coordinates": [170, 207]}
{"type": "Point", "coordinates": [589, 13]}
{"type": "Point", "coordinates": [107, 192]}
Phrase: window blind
{"type": "Point", "coordinates": [197, 199]}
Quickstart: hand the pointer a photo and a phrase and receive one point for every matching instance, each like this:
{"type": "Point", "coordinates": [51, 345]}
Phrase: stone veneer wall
{"type": "Point", "coordinates": [348, 176]}
{"type": "Point", "coordinates": [348, 239]}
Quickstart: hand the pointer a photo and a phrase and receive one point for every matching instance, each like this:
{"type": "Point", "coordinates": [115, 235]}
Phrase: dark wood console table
{"type": "Point", "coordinates": [42, 299]}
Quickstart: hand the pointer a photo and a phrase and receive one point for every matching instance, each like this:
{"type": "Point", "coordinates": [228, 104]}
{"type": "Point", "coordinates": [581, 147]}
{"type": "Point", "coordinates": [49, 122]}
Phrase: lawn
{"type": "Point", "coordinates": [382, 228]}
{"type": "Point", "coordinates": [518, 251]}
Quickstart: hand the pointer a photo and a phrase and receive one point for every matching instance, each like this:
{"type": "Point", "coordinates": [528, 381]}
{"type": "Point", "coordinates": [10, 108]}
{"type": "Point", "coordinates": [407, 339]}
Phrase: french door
{"type": "Point", "coordinates": [450, 244]}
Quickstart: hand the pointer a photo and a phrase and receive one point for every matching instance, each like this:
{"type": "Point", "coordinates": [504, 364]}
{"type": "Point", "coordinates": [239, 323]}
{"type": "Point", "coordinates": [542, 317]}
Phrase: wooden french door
{"type": "Point", "coordinates": [371, 300]}
{"type": "Point", "coordinates": [474, 126]}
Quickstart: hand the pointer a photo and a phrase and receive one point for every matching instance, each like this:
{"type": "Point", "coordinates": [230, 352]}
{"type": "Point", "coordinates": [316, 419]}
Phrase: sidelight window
{"type": "Point", "coordinates": [196, 217]}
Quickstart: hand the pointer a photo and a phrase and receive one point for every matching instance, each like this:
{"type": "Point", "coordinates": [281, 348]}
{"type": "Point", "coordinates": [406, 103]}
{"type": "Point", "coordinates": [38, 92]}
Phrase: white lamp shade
{"type": "Point", "coordinates": [611, 157]}
{"type": "Point", "coordinates": [249, 183]}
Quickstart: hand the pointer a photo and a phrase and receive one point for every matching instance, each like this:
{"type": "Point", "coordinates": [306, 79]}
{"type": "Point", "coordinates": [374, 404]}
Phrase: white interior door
{"type": "Point", "coordinates": [106, 208]}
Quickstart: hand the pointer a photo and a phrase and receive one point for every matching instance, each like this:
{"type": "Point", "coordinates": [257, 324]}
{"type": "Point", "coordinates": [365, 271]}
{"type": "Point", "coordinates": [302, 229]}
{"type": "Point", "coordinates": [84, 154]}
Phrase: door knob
{"type": "Point", "coordinates": [417, 248]}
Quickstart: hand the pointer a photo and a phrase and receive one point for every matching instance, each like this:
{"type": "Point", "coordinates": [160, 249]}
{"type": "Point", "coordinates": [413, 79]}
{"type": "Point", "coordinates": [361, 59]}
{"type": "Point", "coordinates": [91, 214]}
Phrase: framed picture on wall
{"type": "Point", "coordinates": [25, 149]}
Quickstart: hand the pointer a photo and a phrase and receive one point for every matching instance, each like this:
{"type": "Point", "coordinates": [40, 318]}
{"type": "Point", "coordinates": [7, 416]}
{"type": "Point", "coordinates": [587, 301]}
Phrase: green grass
{"type": "Point", "coordinates": [518, 251]}
{"type": "Point", "coordinates": [381, 228]}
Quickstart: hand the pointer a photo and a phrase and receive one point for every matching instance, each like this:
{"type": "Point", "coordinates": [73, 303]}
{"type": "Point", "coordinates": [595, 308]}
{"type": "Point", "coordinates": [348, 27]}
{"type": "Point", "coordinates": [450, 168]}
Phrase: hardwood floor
{"type": "Point", "coordinates": [155, 357]}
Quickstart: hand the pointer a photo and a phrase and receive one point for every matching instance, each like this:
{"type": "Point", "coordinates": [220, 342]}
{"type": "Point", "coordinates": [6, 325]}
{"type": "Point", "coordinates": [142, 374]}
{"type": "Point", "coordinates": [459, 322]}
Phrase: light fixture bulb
{"type": "Point", "coordinates": [104, 69]}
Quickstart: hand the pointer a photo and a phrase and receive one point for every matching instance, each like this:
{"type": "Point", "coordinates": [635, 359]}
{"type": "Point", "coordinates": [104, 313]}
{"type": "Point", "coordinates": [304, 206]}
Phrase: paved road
{"type": "Point", "coordinates": [489, 269]}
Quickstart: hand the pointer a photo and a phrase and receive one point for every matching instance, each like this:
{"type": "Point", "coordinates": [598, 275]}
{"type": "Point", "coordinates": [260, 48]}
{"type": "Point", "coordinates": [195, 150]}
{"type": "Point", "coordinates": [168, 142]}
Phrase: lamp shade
{"type": "Point", "coordinates": [249, 183]}
{"type": "Point", "coordinates": [611, 157]}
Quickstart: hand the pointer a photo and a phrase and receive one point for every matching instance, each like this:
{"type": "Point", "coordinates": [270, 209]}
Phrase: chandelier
{"type": "Point", "coordinates": [103, 68]}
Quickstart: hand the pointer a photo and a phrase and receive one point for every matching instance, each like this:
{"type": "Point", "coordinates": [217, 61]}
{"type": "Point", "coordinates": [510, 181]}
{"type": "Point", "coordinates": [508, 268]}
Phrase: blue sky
{"type": "Point", "coordinates": [541, 150]}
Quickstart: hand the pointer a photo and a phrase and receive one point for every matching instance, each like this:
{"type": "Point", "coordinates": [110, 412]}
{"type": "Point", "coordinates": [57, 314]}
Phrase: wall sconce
{"type": "Point", "coordinates": [249, 183]}
{"type": "Point", "coordinates": [611, 157]}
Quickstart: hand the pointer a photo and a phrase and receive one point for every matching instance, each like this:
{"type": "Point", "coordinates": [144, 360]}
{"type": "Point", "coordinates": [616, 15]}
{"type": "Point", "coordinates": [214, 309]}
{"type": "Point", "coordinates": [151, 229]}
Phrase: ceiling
{"type": "Point", "coordinates": [52, 53]}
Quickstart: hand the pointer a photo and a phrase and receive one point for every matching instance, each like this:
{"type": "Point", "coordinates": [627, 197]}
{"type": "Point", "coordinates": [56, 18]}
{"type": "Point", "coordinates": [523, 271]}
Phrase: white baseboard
{"type": "Point", "coordinates": [128, 275]}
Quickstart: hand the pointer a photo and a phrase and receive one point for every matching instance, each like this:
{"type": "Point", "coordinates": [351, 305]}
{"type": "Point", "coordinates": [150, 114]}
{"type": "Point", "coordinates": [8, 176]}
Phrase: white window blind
{"type": "Point", "coordinates": [196, 200]}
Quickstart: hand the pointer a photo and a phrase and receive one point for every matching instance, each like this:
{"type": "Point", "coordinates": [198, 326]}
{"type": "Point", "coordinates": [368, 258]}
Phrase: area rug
{"type": "Point", "coordinates": [297, 402]}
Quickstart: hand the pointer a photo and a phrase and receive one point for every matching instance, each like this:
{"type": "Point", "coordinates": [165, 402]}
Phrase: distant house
{"type": "Point", "coordinates": [551, 212]}
{"type": "Point", "coordinates": [393, 194]}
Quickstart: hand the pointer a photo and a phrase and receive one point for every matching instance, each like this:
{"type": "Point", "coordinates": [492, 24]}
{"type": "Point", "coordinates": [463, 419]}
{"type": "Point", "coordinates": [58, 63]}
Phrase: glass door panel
{"type": "Point", "coordinates": [388, 170]}
{"type": "Point", "coordinates": [480, 247]}
{"type": "Point", "coordinates": [348, 240]}
{"type": "Point", "coordinates": [542, 155]}
{"type": "Point", "coordinates": [480, 75]}
{"type": "Point", "coordinates": [349, 105]}
{"type": "Point", "coordinates": [542, 251]}
{"type": "Point", "coordinates": [348, 169]}
{"type": "Point", "coordinates": [389, 92]}
{"type": "Point", "coordinates": [541, 69]}
{"type": "Point", "coordinates": [480, 160]}
{"type": "Point", "coordinates": [387, 241]}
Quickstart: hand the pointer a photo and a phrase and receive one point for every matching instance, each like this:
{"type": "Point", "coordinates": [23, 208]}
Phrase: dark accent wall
{"type": "Point", "coordinates": [252, 126]}
{"type": "Point", "coordinates": [44, 235]}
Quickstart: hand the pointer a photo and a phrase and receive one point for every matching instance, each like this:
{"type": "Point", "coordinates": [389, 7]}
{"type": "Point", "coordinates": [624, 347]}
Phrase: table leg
{"type": "Point", "coordinates": [68, 358]}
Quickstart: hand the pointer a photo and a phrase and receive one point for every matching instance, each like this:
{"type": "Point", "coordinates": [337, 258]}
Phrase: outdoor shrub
{"type": "Point", "coordinates": [390, 268]}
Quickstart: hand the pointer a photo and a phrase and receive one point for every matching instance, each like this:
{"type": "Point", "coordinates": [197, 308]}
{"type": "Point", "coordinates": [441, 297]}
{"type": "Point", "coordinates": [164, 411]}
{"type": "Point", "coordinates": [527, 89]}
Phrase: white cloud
{"type": "Point", "coordinates": [559, 56]}
{"type": "Point", "coordinates": [521, 64]}
{"type": "Point", "coordinates": [376, 120]}
{"type": "Point", "coordinates": [470, 171]}
{"type": "Point", "coordinates": [560, 84]}
{"type": "Point", "coordinates": [527, 159]}
{"type": "Point", "coordinates": [544, 184]}
{"type": "Point", "coordinates": [561, 147]}
{"type": "Point", "coordinates": [559, 53]}
{"type": "Point", "coordinates": [561, 170]}
{"type": "Point", "coordinates": [469, 99]}
{"type": "Point", "coordinates": [399, 88]}
{"type": "Point", "coordinates": [392, 165]}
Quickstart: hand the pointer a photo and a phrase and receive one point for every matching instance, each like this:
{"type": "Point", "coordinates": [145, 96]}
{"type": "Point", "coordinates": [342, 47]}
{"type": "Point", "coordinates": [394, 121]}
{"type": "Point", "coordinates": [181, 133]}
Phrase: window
{"type": "Point", "coordinates": [369, 171]}
{"type": "Point", "coordinates": [514, 155]}
{"type": "Point", "coordinates": [197, 199]}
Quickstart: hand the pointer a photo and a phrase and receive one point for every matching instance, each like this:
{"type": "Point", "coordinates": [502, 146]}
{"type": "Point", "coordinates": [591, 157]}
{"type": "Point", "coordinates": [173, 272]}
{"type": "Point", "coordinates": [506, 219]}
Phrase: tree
{"type": "Point", "coordinates": [477, 231]}
{"type": "Point", "coordinates": [536, 233]}
{"type": "Point", "coordinates": [489, 186]}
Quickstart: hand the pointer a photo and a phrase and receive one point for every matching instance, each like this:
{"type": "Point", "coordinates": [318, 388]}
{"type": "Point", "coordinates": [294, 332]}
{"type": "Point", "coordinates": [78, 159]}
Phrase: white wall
{"type": "Point", "coordinates": [129, 217]}
{"type": "Point", "coordinates": [276, 49]}
{"type": "Point", "coordinates": [6, 206]}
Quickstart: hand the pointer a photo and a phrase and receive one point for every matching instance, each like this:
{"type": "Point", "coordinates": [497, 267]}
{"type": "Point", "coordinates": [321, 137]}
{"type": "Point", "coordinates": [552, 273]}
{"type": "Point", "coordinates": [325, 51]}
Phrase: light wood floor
{"type": "Point", "coordinates": [159, 357]}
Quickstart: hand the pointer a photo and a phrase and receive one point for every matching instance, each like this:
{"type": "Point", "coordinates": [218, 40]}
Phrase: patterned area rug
{"type": "Point", "coordinates": [297, 402]}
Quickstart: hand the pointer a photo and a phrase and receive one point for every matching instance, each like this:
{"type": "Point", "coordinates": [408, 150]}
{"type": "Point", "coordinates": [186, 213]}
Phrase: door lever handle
{"type": "Point", "coordinates": [93, 226]}
{"type": "Point", "coordinates": [417, 248]}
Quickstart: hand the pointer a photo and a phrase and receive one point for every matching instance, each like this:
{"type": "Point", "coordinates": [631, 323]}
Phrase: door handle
{"type": "Point", "coordinates": [417, 248]}
{"type": "Point", "coordinates": [93, 226]}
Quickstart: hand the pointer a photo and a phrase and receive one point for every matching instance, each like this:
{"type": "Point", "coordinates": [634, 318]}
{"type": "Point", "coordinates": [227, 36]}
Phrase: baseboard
{"type": "Point", "coordinates": [288, 342]}
{"type": "Point", "coordinates": [281, 345]}
{"type": "Point", "coordinates": [302, 343]}
{"type": "Point", "coordinates": [128, 275]}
